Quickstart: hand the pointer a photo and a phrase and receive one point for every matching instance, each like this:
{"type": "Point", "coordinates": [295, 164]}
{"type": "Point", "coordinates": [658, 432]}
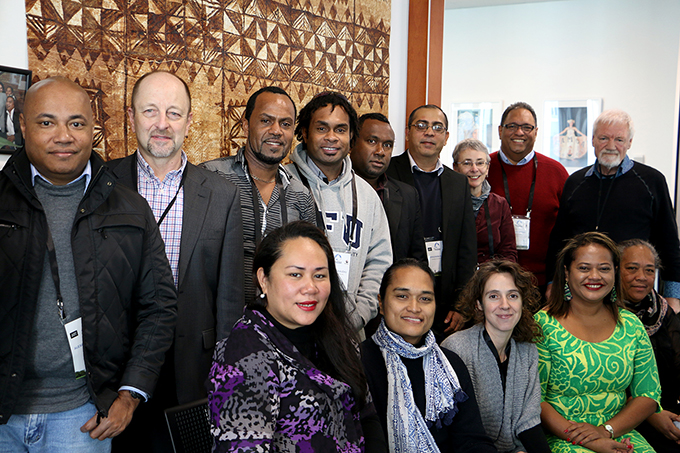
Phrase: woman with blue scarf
{"type": "Point", "coordinates": [423, 395]}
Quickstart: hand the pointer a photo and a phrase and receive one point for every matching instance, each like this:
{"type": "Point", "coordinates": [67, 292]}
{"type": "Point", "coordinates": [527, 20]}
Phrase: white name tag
{"type": "Point", "coordinates": [74, 334]}
{"type": "Point", "coordinates": [342, 262]}
{"type": "Point", "coordinates": [434, 255]}
{"type": "Point", "coordinates": [522, 227]}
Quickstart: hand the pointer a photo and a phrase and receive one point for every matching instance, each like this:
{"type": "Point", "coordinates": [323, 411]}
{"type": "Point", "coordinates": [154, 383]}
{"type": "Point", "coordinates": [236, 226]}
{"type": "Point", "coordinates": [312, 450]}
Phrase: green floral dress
{"type": "Point", "coordinates": [587, 382]}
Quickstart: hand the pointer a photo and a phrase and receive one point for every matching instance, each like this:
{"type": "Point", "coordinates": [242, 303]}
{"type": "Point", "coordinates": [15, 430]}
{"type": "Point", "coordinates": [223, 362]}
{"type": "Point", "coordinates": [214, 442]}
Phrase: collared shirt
{"type": "Point", "coordinates": [87, 174]}
{"type": "Point", "coordinates": [524, 161]}
{"type": "Point", "coordinates": [625, 166]}
{"type": "Point", "coordinates": [10, 121]}
{"type": "Point", "coordinates": [159, 194]}
{"type": "Point", "coordinates": [439, 168]}
{"type": "Point", "coordinates": [382, 180]}
{"type": "Point", "coordinates": [321, 174]}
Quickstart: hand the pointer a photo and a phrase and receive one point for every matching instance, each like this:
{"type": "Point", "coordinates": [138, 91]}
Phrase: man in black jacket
{"type": "Point", "coordinates": [446, 208]}
{"type": "Point", "coordinates": [88, 307]}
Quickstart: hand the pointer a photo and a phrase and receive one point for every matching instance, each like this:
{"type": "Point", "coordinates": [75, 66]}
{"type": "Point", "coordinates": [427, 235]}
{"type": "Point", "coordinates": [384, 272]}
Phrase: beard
{"type": "Point", "coordinates": [269, 160]}
{"type": "Point", "coordinates": [610, 159]}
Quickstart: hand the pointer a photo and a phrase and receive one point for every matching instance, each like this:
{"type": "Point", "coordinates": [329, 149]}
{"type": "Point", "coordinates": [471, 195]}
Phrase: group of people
{"type": "Point", "coordinates": [318, 300]}
{"type": "Point", "coordinates": [10, 128]}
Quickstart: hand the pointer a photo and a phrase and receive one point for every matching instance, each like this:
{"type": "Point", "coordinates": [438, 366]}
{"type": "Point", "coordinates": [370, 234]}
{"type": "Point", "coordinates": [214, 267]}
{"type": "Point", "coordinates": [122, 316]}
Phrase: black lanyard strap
{"type": "Point", "coordinates": [256, 205]}
{"type": "Point", "coordinates": [600, 210]}
{"type": "Point", "coordinates": [507, 189]}
{"type": "Point", "coordinates": [172, 202]}
{"type": "Point", "coordinates": [319, 216]}
{"type": "Point", "coordinates": [54, 267]}
{"type": "Point", "coordinates": [487, 214]}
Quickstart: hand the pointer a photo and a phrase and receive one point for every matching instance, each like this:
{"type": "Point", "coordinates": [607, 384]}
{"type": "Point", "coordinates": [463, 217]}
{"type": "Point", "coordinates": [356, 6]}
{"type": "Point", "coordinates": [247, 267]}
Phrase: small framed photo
{"type": "Point", "coordinates": [478, 120]}
{"type": "Point", "coordinates": [568, 132]}
{"type": "Point", "coordinates": [13, 85]}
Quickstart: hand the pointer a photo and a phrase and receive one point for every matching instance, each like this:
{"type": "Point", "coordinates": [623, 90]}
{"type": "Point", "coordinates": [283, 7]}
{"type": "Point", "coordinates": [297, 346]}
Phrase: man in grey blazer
{"type": "Point", "coordinates": [199, 216]}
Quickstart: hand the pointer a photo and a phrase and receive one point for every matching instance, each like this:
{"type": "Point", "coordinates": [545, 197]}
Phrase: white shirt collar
{"type": "Point", "coordinates": [439, 168]}
{"type": "Point", "coordinates": [87, 174]}
{"type": "Point", "coordinates": [525, 160]}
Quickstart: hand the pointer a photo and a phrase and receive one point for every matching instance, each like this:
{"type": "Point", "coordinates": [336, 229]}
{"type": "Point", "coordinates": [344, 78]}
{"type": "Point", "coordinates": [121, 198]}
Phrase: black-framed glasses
{"type": "Point", "coordinates": [423, 126]}
{"type": "Point", "coordinates": [478, 163]}
{"type": "Point", "coordinates": [513, 127]}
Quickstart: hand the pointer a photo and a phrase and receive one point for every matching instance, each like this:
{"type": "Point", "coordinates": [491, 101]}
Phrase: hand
{"type": "Point", "coordinates": [611, 446]}
{"type": "Point", "coordinates": [674, 303]}
{"type": "Point", "coordinates": [119, 417]}
{"type": "Point", "coordinates": [453, 322]}
{"type": "Point", "coordinates": [582, 433]}
{"type": "Point", "coordinates": [663, 422]}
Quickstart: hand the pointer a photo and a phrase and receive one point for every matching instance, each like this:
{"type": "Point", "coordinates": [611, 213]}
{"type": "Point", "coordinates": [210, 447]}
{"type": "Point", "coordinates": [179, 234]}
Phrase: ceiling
{"type": "Point", "coordinates": [456, 4]}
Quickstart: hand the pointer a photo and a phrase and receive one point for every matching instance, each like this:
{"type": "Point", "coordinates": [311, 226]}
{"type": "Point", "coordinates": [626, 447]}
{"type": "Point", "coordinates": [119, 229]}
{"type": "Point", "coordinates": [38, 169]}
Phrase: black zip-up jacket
{"type": "Point", "coordinates": [125, 286]}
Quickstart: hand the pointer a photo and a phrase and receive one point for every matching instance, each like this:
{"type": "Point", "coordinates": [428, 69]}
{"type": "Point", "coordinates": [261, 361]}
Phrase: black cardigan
{"type": "Point", "coordinates": [464, 434]}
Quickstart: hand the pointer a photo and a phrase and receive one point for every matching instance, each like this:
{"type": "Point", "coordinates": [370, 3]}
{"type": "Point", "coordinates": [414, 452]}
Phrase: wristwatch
{"type": "Point", "coordinates": [610, 430]}
{"type": "Point", "coordinates": [139, 396]}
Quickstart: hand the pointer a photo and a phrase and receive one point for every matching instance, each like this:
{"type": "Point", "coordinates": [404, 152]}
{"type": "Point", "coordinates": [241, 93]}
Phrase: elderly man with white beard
{"type": "Point", "coordinates": [622, 198]}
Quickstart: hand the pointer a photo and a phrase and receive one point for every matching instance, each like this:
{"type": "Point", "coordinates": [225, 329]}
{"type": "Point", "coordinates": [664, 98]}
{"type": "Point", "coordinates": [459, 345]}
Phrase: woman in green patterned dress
{"type": "Point", "coordinates": [593, 356]}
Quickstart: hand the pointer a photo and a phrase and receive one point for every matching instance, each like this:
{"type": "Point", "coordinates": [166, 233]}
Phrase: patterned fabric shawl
{"type": "Point", "coordinates": [264, 395]}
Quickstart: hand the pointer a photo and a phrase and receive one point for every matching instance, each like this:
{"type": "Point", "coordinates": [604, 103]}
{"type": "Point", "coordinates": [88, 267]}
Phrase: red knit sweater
{"type": "Point", "coordinates": [550, 181]}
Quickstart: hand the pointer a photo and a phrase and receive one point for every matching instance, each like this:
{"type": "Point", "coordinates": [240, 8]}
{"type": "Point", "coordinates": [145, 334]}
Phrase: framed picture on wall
{"type": "Point", "coordinates": [13, 85]}
{"type": "Point", "coordinates": [568, 132]}
{"type": "Point", "coordinates": [478, 120]}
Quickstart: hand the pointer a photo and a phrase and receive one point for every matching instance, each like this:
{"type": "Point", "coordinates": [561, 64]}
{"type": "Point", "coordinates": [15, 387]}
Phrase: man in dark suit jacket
{"type": "Point", "coordinates": [446, 208]}
{"type": "Point", "coordinates": [199, 216]}
{"type": "Point", "coordinates": [371, 155]}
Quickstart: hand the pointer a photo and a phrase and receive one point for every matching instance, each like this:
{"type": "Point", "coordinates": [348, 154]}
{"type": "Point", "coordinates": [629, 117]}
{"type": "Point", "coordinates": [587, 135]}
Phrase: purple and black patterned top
{"type": "Point", "coordinates": [264, 395]}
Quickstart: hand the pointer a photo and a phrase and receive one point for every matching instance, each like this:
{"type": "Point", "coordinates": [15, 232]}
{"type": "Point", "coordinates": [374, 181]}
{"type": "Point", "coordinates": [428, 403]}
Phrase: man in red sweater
{"type": "Point", "coordinates": [531, 182]}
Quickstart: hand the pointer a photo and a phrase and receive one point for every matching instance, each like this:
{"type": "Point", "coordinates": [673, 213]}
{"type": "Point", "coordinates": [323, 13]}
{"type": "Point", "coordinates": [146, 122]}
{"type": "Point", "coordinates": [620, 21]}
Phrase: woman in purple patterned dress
{"type": "Point", "coordinates": [289, 378]}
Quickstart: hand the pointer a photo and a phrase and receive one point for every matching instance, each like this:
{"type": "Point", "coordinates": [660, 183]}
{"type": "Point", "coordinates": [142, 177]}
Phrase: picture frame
{"type": "Point", "coordinates": [478, 120]}
{"type": "Point", "coordinates": [568, 131]}
{"type": "Point", "coordinates": [14, 82]}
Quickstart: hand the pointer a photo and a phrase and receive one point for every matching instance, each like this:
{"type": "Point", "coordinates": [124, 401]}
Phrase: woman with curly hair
{"type": "Point", "coordinates": [500, 354]}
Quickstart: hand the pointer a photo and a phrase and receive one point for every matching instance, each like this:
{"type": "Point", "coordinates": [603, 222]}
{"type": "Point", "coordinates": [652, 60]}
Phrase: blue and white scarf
{"type": "Point", "coordinates": [407, 431]}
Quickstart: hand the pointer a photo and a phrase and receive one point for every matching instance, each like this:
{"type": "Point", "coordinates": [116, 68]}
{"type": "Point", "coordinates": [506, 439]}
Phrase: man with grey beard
{"type": "Point", "coordinates": [270, 196]}
{"type": "Point", "coordinates": [199, 217]}
{"type": "Point", "coordinates": [622, 198]}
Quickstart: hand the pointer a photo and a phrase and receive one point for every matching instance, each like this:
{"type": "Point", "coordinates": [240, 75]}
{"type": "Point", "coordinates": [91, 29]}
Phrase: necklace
{"type": "Point", "coordinates": [262, 180]}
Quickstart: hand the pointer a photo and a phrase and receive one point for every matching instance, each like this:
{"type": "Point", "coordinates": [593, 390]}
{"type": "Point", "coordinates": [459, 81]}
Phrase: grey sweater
{"type": "Point", "coordinates": [504, 414]}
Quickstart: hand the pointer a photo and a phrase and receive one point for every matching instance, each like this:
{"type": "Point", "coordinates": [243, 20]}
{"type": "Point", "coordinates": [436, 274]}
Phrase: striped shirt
{"type": "Point", "coordinates": [298, 201]}
{"type": "Point", "coordinates": [159, 194]}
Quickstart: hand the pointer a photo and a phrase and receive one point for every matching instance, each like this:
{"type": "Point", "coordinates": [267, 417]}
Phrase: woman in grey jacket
{"type": "Point", "coordinates": [500, 355]}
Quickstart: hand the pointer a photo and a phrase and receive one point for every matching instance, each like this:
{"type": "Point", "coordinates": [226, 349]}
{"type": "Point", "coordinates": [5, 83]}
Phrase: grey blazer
{"type": "Point", "coordinates": [210, 287]}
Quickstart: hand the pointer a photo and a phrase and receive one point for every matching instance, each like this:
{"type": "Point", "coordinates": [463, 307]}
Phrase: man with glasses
{"type": "Point", "coordinates": [531, 182]}
{"type": "Point", "coordinates": [446, 207]}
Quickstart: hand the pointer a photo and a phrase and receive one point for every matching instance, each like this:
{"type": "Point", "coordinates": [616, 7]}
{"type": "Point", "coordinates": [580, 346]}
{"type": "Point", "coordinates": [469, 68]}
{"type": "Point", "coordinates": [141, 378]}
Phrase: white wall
{"type": "Point", "coordinates": [398, 69]}
{"type": "Point", "coordinates": [13, 30]}
{"type": "Point", "coordinates": [623, 51]}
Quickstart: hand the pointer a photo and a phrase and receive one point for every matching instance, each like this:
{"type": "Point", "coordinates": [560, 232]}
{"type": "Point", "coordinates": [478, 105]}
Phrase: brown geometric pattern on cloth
{"type": "Point", "coordinates": [224, 49]}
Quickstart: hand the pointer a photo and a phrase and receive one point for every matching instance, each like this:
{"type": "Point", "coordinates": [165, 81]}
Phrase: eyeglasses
{"type": "Point", "coordinates": [422, 126]}
{"type": "Point", "coordinates": [478, 163]}
{"type": "Point", "coordinates": [526, 128]}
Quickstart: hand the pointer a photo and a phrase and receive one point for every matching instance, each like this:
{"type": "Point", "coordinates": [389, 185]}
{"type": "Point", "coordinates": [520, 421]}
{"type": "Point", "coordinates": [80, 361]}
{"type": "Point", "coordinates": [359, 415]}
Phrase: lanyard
{"type": "Point", "coordinates": [172, 202]}
{"type": "Point", "coordinates": [256, 205]}
{"type": "Point", "coordinates": [600, 211]}
{"type": "Point", "coordinates": [134, 163]}
{"type": "Point", "coordinates": [507, 190]}
{"type": "Point", "coordinates": [52, 254]}
{"type": "Point", "coordinates": [488, 226]}
{"type": "Point", "coordinates": [319, 217]}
